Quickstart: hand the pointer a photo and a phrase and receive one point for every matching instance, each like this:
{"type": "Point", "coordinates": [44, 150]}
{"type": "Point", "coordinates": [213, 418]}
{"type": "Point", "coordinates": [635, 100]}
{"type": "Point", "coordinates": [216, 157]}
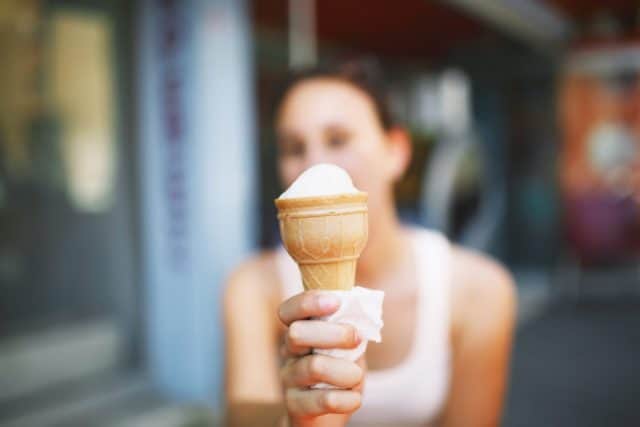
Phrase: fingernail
{"type": "Point", "coordinates": [327, 302]}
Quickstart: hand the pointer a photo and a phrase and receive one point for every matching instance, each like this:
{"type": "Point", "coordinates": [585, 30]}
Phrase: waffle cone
{"type": "Point", "coordinates": [325, 236]}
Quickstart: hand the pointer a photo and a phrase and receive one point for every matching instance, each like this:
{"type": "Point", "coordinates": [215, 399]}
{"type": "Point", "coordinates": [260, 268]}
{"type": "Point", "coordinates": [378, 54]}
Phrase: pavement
{"type": "Point", "coordinates": [576, 364]}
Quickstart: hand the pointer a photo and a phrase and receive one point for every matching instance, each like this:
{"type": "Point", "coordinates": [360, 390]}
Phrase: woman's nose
{"type": "Point", "coordinates": [314, 156]}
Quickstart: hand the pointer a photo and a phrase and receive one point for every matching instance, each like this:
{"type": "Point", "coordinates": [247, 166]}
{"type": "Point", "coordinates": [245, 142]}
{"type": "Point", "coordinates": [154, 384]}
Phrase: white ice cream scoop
{"type": "Point", "coordinates": [324, 179]}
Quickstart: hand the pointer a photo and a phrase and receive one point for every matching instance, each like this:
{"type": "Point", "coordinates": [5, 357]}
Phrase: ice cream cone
{"type": "Point", "coordinates": [325, 236]}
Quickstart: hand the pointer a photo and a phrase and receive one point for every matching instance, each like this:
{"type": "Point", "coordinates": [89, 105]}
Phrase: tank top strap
{"type": "Point", "coordinates": [434, 270]}
{"type": "Point", "coordinates": [288, 274]}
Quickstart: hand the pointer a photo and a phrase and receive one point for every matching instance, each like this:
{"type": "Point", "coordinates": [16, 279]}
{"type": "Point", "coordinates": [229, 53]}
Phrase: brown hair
{"type": "Point", "coordinates": [363, 73]}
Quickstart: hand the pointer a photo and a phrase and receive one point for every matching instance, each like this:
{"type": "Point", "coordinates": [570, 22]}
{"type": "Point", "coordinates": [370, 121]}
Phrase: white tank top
{"type": "Point", "coordinates": [413, 392]}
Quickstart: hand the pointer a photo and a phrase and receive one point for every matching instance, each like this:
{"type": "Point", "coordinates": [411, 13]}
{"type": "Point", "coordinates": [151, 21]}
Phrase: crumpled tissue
{"type": "Point", "coordinates": [362, 309]}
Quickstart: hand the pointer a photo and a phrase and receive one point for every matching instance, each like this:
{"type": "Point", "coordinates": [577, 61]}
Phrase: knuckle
{"type": "Point", "coordinates": [289, 400]}
{"type": "Point", "coordinates": [284, 375]}
{"type": "Point", "coordinates": [328, 401]}
{"type": "Point", "coordinates": [316, 367]}
{"type": "Point", "coordinates": [281, 313]}
{"type": "Point", "coordinates": [287, 371]}
{"type": "Point", "coordinates": [358, 376]}
{"type": "Point", "coordinates": [358, 402]}
{"type": "Point", "coordinates": [294, 334]}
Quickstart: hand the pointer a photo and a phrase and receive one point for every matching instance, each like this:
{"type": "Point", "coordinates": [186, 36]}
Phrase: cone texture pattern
{"type": "Point", "coordinates": [325, 236]}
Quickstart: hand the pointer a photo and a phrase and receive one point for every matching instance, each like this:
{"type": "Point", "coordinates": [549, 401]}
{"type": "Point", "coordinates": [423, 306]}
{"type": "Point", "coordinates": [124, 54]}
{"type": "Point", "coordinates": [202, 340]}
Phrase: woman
{"type": "Point", "coordinates": [448, 312]}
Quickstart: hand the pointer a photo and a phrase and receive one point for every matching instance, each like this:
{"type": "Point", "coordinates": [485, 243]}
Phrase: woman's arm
{"type": "Point", "coordinates": [253, 390]}
{"type": "Point", "coordinates": [483, 318]}
{"type": "Point", "coordinates": [259, 391]}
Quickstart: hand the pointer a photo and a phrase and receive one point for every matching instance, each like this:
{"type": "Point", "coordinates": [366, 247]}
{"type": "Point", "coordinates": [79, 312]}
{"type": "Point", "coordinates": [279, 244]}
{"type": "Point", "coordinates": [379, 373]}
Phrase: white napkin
{"type": "Point", "coordinates": [362, 309]}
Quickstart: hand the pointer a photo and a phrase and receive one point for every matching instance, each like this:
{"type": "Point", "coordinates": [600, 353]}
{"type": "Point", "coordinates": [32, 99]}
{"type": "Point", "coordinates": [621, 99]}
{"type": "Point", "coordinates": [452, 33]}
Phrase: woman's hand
{"type": "Point", "coordinates": [301, 370]}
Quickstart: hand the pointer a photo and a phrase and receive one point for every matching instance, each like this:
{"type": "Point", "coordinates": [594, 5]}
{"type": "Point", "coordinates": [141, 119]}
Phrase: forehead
{"type": "Point", "coordinates": [319, 101]}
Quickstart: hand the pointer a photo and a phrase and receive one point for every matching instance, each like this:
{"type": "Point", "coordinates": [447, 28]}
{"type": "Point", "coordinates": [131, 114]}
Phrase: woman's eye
{"type": "Point", "coordinates": [337, 140]}
{"type": "Point", "coordinates": [291, 148]}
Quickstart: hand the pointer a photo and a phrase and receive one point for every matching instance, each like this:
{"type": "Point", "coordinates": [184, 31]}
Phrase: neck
{"type": "Point", "coordinates": [385, 250]}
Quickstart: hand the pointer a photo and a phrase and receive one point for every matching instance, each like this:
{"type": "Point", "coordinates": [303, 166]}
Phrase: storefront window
{"type": "Point", "coordinates": [67, 238]}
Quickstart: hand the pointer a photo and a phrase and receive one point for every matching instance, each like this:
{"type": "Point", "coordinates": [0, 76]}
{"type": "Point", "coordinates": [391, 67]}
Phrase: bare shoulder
{"type": "Point", "coordinates": [251, 325]}
{"type": "Point", "coordinates": [479, 276]}
{"type": "Point", "coordinates": [483, 290]}
{"type": "Point", "coordinates": [254, 278]}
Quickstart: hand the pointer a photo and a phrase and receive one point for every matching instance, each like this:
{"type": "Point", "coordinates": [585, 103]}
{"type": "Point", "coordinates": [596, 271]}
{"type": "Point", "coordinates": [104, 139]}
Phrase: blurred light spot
{"type": "Point", "coordinates": [90, 170]}
{"type": "Point", "coordinates": [611, 145]}
{"type": "Point", "coordinates": [82, 88]}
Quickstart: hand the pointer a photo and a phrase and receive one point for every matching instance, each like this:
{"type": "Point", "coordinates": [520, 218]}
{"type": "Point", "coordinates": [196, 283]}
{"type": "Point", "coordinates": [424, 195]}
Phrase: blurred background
{"type": "Point", "coordinates": [137, 167]}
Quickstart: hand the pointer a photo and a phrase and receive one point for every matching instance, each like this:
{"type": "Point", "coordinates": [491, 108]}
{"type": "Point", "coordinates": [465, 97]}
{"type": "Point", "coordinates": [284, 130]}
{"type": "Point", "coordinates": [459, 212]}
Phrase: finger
{"type": "Point", "coordinates": [316, 368]}
{"type": "Point", "coordinates": [362, 363]}
{"type": "Point", "coordinates": [308, 304]}
{"type": "Point", "coordinates": [303, 335]}
{"type": "Point", "coordinates": [313, 403]}
{"type": "Point", "coordinates": [291, 350]}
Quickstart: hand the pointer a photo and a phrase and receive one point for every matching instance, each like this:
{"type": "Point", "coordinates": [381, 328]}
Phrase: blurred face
{"type": "Point", "coordinates": [324, 120]}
